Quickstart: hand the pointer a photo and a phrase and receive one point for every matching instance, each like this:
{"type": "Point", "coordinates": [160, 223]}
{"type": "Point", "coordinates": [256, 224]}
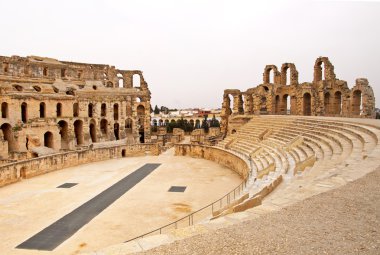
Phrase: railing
{"type": "Point", "coordinates": [200, 214]}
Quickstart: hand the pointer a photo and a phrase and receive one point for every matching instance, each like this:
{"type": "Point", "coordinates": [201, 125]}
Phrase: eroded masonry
{"type": "Point", "coordinates": [282, 94]}
{"type": "Point", "coordinates": [49, 106]}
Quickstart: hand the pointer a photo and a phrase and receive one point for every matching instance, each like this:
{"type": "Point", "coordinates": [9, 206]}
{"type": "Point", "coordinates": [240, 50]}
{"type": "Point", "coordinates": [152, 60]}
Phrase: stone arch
{"type": "Point", "coordinates": [116, 111]}
{"type": "Point", "coordinates": [263, 105]}
{"type": "Point", "coordinates": [327, 103]}
{"type": "Point", "coordinates": [120, 80]}
{"type": "Point", "coordinates": [24, 112]}
{"type": "Point", "coordinates": [9, 137]}
{"type": "Point", "coordinates": [292, 78]}
{"type": "Point", "coordinates": [327, 73]}
{"type": "Point", "coordinates": [59, 110]}
{"type": "Point", "coordinates": [160, 122]}
{"type": "Point", "coordinates": [166, 122]}
{"type": "Point", "coordinates": [49, 139]}
{"type": "Point", "coordinates": [78, 130]}
{"type": "Point", "coordinates": [104, 127]}
{"type": "Point", "coordinates": [266, 75]}
{"type": "Point", "coordinates": [136, 80]}
{"type": "Point", "coordinates": [76, 110]}
{"type": "Point", "coordinates": [90, 110]}
{"type": "Point", "coordinates": [92, 129]}
{"type": "Point", "coordinates": [123, 153]}
{"type": "Point", "coordinates": [277, 105]}
{"type": "Point", "coordinates": [356, 105]}
{"type": "Point", "coordinates": [286, 106]}
{"type": "Point", "coordinates": [64, 133]}
{"type": "Point", "coordinates": [338, 103]}
{"type": "Point", "coordinates": [4, 110]}
{"type": "Point", "coordinates": [116, 129]}
{"type": "Point", "coordinates": [103, 110]}
{"type": "Point", "coordinates": [42, 110]}
{"type": "Point", "coordinates": [140, 110]}
{"type": "Point", "coordinates": [306, 104]}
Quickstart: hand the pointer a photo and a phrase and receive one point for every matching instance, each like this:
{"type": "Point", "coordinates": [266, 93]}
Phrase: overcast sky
{"type": "Point", "coordinates": [191, 50]}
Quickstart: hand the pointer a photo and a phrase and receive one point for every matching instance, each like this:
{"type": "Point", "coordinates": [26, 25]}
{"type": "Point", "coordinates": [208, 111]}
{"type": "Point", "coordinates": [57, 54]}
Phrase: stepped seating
{"type": "Point", "coordinates": [286, 145]}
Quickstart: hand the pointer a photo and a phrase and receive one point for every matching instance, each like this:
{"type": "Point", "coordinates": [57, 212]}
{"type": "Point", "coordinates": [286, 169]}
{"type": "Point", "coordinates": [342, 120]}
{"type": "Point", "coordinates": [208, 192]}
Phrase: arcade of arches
{"type": "Point", "coordinates": [281, 93]}
{"type": "Point", "coordinates": [73, 105]}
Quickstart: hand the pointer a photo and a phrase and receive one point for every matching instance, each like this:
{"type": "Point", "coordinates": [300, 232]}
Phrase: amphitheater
{"type": "Point", "coordinates": [285, 176]}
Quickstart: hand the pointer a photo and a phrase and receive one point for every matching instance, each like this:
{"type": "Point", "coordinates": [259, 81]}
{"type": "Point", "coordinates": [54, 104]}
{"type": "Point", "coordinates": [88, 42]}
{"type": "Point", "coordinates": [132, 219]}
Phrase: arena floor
{"type": "Point", "coordinates": [28, 207]}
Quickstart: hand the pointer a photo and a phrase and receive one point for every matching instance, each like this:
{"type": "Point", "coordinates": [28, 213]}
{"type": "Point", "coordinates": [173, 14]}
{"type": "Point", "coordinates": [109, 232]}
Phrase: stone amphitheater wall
{"type": "Point", "coordinates": [16, 171]}
{"type": "Point", "coordinates": [217, 155]}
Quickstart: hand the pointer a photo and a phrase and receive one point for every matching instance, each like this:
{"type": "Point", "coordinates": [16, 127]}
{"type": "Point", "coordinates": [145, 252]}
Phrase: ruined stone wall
{"type": "Point", "coordinates": [66, 105]}
{"type": "Point", "coordinates": [16, 171]}
{"type": "Point", "coordinates": [281, 93]}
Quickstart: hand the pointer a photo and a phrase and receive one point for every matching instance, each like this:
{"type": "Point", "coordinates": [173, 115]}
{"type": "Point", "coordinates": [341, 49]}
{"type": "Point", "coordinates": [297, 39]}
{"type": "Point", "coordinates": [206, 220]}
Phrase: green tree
{"type": "Point", "coordinates": [214, 122]}
{"type": "Point", "coordinates": [205, 125]}
{"type": "Point", "coordinates": [156, 110]}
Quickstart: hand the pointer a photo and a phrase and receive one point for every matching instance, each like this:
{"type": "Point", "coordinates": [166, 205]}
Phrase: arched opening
{"type": "Point", "coordinates": [45, 71]}
{"type": "Point", "coordinates": [8, 136]}
{"type": "Point", "coordinates": [140, 125]}
{"type": "Point", "coordinates": [269, 72]}
{"type": "Point", "coordinates": [140, 110]}
{"type": "Point", "coordinates": [287, 76]}
{"type": "Point", "coordinates": [285, 108]}
{"type": "Point", "coordinates": [123, 153]}
{"type": "Point", "coordinates": [327, 103]}
{"type": "Point", "coordinates": [263, 105]}
{"type": "Point", "coordinates": [78, 130]}
{"type": "Point", "coordinates": [75, 110]}
{"type": "Point", "coordinates": [59, 110]}
{"type": "Point", "coordinates": [104, 127]}
{"type": "Point", "coordinates": [197, 124]}
{"type": "Point", "coordinates": [138, 100]}
{"type": "Point", "coordinates": [160, 123]}
{"type": "Point", "coordinates": [116, 131]}
{"type": "Point", "coordinates": [93, 131]}
{"type": "Point", "coordinates": [42, 110]}
{"type": "Point", "coordinates": [319, 71]}
{"type": "Point", "coordinates": [103, 110]}
{"type": "Point", "coordinates": [166, 122]}
{"type": "Point", "coordinates": [48, 139]}
{"type": "Point", "coordinates": [357, 102]}
{"type": "Point", "coordinates": [155, 122]}
{"type": "Point", "coordinates": [109, 84]}
{"type": "Point", "coordinates": [64, 133]}
{"type": "Point", "coordinates": [24, 112]}
{"type": "Point", "coordinates": [116, 112]}
{"type": "Point", "coordinates": [90, 110]}
{"type": "Point", "coordinates": [120, 80]}
{"type": "Point", "coordinates": [191, 123]}
{"type": "Point", "coordinates": [128, 126]}
{"type": "Point", "coordinates": [307, 104]}
{"type": "Point", "coordinates": [233, 131]}
{"type": "Point", "coordinates": [338, 103]}
{"type": "Point", "coordinates": [121, 83]}
{"type": "Point", "coordinates": [4, 110]}
{"type": "Point", "coordinates": [136, 80]}
{"type": "Point", "coordinates": [277, 105]}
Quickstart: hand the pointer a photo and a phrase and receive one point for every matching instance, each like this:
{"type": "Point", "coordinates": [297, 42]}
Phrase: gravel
{"type": "Point", "coordinates": [341, 221]}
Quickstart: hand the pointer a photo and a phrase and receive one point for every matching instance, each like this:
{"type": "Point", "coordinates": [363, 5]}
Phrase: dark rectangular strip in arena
{"type": "Point", "coordinates": [55, 234]}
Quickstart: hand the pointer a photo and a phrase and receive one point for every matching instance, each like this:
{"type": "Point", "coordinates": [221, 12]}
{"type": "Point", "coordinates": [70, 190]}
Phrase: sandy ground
{"type": "Point", "coordinates": [341, 221]}
{"type": "Point", "coordinates": [31, 205]}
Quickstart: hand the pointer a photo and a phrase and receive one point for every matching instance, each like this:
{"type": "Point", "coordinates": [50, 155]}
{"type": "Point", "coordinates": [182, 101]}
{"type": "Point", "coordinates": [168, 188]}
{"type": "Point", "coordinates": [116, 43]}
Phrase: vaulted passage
{"type": "Point", "coordinates": [48, 140]}
{"type": "Point", "coordinates": [93, 131]}
{"type": "Point", "coordinates": [78, 130]}
{"type": "Point", "coordinates": [63, 131]}
{"type": "Point", "coordinates": [307, 104]}
{"type": "Point", "coordinates": [356, 102]}
{"type": "Point", "coordinates": [8, 136]}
